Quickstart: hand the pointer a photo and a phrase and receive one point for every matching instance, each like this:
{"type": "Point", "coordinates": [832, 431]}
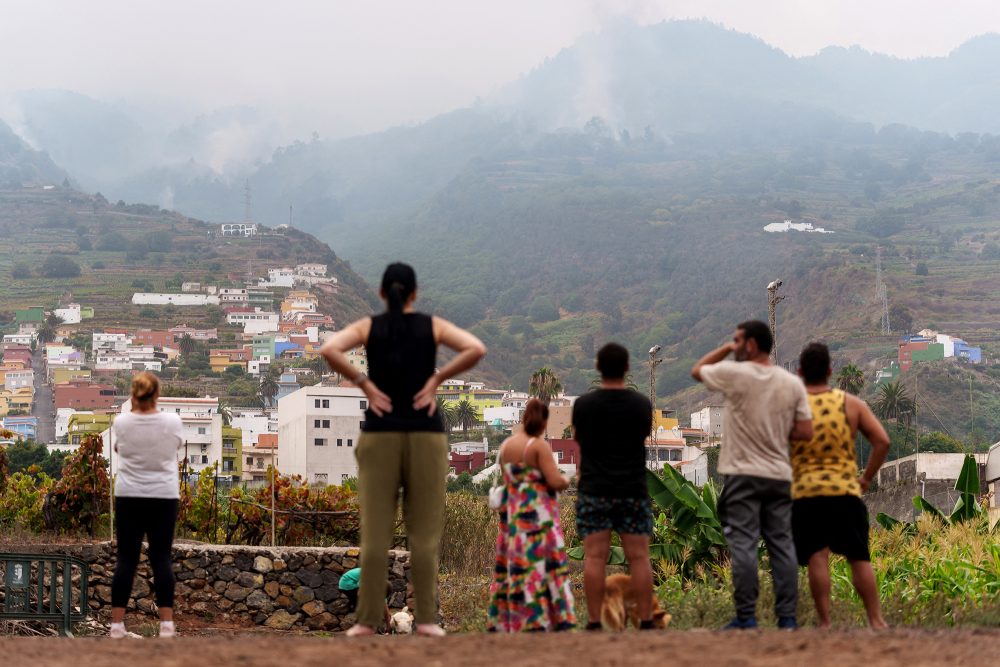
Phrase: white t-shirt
{"type": "Point", "coordinates": [762, 405]}
{"type": "Point", "coordinates": [146, 446]}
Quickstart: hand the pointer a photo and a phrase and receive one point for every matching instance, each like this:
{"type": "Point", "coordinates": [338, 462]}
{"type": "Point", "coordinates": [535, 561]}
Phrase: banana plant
{"type": "Point", "coordinates": [686, 531]}
{"type": "Point", "coordinates": [966, 507]}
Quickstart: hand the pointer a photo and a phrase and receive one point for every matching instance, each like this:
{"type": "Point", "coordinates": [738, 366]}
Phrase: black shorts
{"type": "Point", "coordinates": [837, 522]}
{"type": "Point", "coordinates": [628, 516]}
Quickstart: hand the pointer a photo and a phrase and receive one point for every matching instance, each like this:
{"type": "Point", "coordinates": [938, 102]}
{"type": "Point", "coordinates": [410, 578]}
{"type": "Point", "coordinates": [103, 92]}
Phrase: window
{"type": "Point", "coordinates": [194, 458]}
{"type": "Point", "coordinates": [316, 403]}
{"type": "Point", "coordinates": [361, 425]}
{"type": "Point", "coordinates": [249, 460]}
{"type": "Point", "coordinates": [344, 477]}
{"type": "Point", "coordinates": [340, 443]}
{"type": "Point", "coordinates": [559, 455]}
{"type": "Point", "coordinates": [177, 410]}
{"type": "Point", "coordinates": [364, 405]}
{"type": "Point", "coordinates": [326, 423]}
{"type": "Point", "coordinates": [204, 459]}
{"type": "Point", "coordinates": [316, 423]}
{"type": "Point", "coordinates": [320, 442]}
{"type": "Point", "coordinates": [350, 443]}
{"type": "Point", "coordinates": [320, 478]}
{"type": "Point", "coordinates": [201, 430]}
{"type": "Point", "coordinates": [326, 402]}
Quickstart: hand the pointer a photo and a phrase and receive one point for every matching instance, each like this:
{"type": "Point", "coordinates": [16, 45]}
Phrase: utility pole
{"type": "Point", "coordinates": [653, 363]}
{"type": "Point", "coordinates": [881, 295]}
{"type": "Point", "coordinates": [772, 302]}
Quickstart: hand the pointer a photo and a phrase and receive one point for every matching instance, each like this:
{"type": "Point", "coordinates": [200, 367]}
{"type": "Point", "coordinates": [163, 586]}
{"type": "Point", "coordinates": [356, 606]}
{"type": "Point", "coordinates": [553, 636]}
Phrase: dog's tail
{"type": "Point", "coordinates": [613, 609]}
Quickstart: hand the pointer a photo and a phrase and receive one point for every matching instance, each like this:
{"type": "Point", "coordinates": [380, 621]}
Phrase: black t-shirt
{"type": "Point", "coordinates": [612, 426]}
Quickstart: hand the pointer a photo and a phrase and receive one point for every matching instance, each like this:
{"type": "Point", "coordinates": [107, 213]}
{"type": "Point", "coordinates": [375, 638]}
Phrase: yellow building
{"type": "Point", "coordinates": [479, 397]}
{"type": "Point", "coordinates": [220, 362]}
{"type": "Point", "coordinates": [661, 420]}
{"type": "Point", "coordinates": [19, 401]}
{"type": "Point", "coordinates": [82, 424]}
{"type": "Point", "coordinates": [61, 375]}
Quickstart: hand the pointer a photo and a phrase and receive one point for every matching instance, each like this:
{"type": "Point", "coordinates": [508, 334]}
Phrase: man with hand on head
{"type": "Point", "coordinates": [766, 408]}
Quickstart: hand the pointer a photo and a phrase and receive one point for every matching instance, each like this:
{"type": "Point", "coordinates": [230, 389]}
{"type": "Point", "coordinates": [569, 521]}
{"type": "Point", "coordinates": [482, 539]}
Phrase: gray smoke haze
{"type": "Point", "coordinates": [346, 67]}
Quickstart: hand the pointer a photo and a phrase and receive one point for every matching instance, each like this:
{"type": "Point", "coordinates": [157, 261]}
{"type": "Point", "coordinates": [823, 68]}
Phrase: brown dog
{"type": "Point", "coordinates": [619, 606]}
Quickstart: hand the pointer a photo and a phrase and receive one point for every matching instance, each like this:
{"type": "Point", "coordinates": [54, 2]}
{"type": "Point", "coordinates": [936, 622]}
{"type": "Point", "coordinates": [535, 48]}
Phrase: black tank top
{"type": "Point", "coordinates": [400, 369]}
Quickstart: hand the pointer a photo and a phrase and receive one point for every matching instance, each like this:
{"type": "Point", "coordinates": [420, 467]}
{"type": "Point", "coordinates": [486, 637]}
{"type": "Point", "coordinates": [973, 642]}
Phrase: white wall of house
{"type": "Point", "coordinates": [311, 423]}
{"type": "Point", "coordinates": [163, 299]}
{"type": "Point", "coordinates": [70, 314]}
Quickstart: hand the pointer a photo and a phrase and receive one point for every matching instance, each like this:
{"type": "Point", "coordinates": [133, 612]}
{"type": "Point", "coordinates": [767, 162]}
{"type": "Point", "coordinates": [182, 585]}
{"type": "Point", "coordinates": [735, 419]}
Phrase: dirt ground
{"type": "Point", "coordinates": [809, 648]}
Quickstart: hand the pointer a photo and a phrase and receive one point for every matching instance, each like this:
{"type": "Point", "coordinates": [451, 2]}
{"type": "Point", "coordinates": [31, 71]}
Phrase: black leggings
{"type": "Point", "coordinates": [155, 518]}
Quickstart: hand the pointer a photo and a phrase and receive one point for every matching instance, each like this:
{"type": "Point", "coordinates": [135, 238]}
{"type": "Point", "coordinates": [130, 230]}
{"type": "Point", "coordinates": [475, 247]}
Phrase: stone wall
{"type": "Point", "coordinates": [282, 588]}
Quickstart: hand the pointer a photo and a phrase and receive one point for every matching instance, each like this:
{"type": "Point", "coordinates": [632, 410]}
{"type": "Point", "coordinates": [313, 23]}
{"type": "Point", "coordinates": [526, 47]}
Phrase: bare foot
{"type": "Point", "coordinates": [430, 630]}
{"type": "Point", "coordinates": [878, 624]}
{"type": "Point", "coordinates": [359, 630]}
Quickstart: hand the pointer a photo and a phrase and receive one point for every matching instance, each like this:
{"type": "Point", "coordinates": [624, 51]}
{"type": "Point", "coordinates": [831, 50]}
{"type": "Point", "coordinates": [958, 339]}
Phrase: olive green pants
{"type": "Point", "coordinates": [418, 463]}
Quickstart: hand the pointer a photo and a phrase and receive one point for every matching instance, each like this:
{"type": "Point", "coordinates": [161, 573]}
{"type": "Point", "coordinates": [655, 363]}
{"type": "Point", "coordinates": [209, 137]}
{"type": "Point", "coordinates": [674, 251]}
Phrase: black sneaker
{"type": "Point", "coordinates": [787, 623]}
{"type": "Point", "coordinates": [738, 623]}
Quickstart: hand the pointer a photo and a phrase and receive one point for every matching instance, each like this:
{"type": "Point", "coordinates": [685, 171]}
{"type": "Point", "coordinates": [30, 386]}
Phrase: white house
{"type": "Point", "coordinates": [14, 380]}
{"type": "Point", "coordinates": [314, 270]}
{"type": "Point", "coordinates": [191, 287]}
{"type": "Point", "coordinates": [176, 299]}
{"type": "Point", "coordinates": [108, 342]}
{"type": "Point", "coordinates": [70, 314]}
{"type": "Point", "coordinates": [245, 229]}
{"type": "Point", "coordinates": [18, 339]}
{"type": "Point", "coordinates": [202, 431]}
{"type": "Point", "coordinates": [233, 295]}
{"type": "Point", "coordinates": [283, 277]}
{"type": "Point", "coordinates": [256, 321]}
{"type": "Point", "coordinates": [318, 431]}
{"type": "Point", "coordinates": [709, 420]}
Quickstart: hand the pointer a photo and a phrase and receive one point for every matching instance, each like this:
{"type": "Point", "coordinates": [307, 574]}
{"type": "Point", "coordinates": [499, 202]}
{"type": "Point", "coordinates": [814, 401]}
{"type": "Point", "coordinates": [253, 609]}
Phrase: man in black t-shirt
{"type": "Point", "coordinates": [611, 424]}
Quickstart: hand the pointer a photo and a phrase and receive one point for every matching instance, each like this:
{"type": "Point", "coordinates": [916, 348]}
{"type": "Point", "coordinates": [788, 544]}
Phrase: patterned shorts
{"type": "Point", "coordinates": [631, 516]}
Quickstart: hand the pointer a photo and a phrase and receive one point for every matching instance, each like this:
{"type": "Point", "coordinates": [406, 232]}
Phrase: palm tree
{"type": "Point", "coordinates": [544, 385]}
{"type": "Point", "coordinates": [47, 332]}
{"type": "Point", "coordinates": [851, 379]}
{"type": "Point", "coordinates": [466, 415]}
{"type": "Point", "coordinates": [226, 412]}
{"type": "Point", "coordinates": [893, 402]}
{"type": "Point", "coordinates": [187, 345]}
{"type": "Point", "coordinates": [629, 382]}
{"type": "Point", "coordinates": [447, 411]}
{"type": "Point", "coordinates": [268, 389]}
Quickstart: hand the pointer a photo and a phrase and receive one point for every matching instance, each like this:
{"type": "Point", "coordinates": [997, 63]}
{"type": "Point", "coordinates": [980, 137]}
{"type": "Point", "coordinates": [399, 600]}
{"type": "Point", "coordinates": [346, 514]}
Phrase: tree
{"type": "Point", "coordinates": [268, 388]}
{"type": "Point", "coordinates": [940, 443]}
{"type": "Point", "coordinates": [567, 433]}
{"type": "Point", "coordinates": [851, 379]}
{"type": "Point", "coordinates": [543, 310]}
{"type": "Point", "coordinates": [226, 412]}
{"type": "Point", "coordinates": [47, 332]}
{"type": "Point", "coordinates": [893, 402]}
{"type": "Point", "coordinates": [447, 411]}
{"type": "Point", "coordinates": [187, 345]}
{"type": "Point", "coordinates": [21, 271]}
{"type": "Point", "coordinates": [900, 318]}
{"type": "Point", "coordinates": [60, 266]}
{"type": "Point", "coordinates": [112, 241]}
{"type": "Point", "coordinates": [544, 385]}
{"type": "Point", "coordinates": [466, 416]}
{"type": "Point", "coordinates": [921, 269]}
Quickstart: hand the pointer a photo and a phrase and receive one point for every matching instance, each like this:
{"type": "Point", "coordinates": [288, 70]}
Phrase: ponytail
{"type": "Point", "coordinates": [399, 281]}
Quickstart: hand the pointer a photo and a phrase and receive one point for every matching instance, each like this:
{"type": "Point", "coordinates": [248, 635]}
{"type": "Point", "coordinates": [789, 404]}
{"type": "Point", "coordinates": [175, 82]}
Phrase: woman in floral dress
{"type": "Point", "coordinates": [531, 590]}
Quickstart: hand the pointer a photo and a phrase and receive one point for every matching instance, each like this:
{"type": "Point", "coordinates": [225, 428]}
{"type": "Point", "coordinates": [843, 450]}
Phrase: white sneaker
{"type": "Point", "coordinates": [118, 631]}
{"type": "Point", "coordinates": [167, 629]}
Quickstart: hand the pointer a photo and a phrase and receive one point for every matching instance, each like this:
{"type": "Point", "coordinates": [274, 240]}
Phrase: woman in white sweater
{"type": "Point", "coordinates": [147, 490]}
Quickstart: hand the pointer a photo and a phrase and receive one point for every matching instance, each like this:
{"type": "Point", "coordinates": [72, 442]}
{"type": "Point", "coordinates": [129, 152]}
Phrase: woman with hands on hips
{"type": "Point", "coordinates": [403, 443]}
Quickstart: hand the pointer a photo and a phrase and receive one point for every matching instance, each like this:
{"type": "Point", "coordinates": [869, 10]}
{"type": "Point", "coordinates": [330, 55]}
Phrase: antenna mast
{"type": "Point", "coordinates": [880, 293]}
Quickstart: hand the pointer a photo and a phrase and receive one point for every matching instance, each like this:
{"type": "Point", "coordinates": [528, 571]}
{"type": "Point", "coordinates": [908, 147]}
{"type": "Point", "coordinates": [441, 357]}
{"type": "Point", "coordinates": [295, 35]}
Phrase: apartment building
{"type": "Point", "coordinates": [318, 430]}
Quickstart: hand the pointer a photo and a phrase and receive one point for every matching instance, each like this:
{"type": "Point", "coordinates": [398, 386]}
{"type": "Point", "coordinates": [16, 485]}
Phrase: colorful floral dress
{"type": "Point", "coordinates": [531, 589]}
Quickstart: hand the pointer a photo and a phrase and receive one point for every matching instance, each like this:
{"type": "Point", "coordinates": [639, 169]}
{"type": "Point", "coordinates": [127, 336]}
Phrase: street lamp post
{"type": "Point", "coordinates": [653, 363]}
{"type": "Point", "coordinates": [772, 302]}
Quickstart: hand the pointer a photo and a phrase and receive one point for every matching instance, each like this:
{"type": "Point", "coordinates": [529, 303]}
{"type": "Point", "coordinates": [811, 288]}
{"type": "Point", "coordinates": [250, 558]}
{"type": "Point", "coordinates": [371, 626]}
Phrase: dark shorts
{"type": "Point", "coordinates": [837, 522]}
{"type": "Point", "coordinates": [629, 516]}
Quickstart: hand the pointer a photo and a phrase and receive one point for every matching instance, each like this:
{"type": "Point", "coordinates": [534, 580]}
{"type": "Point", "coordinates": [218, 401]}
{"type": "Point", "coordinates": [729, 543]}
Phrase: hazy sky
{"type": "Point", "coordinates": [344, 66]}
